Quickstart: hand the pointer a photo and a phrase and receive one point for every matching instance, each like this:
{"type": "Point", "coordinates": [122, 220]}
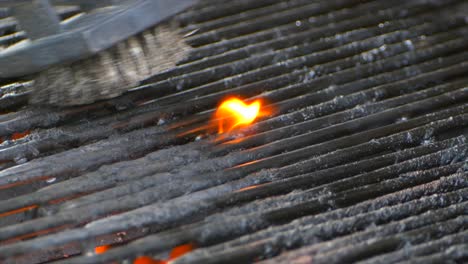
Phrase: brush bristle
{"type": "Point", "coordinates": [111, 72]}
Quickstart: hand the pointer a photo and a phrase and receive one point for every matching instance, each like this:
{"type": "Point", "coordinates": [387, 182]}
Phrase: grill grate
{"type": "Point", "coordinates": [363, 158]}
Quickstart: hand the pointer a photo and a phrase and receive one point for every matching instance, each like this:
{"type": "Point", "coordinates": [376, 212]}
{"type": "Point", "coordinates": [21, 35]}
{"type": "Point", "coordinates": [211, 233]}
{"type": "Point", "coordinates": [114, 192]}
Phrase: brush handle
{"type": "Point", "coordinates": [37, 17]}
{"type": "Point", "coordinates": [56, 43]}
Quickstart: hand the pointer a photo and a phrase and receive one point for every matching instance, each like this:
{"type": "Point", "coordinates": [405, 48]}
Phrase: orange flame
{"type": "Point", "coordinates": [234, 113]}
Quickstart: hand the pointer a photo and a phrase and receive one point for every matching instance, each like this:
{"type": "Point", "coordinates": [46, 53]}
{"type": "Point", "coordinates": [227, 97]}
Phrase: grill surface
{"type": "Point", "coordinates": [362, 159]}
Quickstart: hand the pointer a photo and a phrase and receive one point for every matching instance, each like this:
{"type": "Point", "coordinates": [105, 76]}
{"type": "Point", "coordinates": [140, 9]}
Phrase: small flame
{"type": "Point", "coordinates": [233, 113]}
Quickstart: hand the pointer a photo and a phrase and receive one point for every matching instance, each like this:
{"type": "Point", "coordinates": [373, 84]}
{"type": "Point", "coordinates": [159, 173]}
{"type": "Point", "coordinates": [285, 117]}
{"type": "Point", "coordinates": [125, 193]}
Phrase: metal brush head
{"type": "Point", "coordinates": [111, 72]}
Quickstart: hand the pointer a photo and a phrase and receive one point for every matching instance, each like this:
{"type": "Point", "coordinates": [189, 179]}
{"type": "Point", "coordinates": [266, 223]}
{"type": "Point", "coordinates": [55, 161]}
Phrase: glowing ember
{"type": "Point", "coordinates": [234, 113]}
{"type": "Point", "coordinates": [16, 136]}
{"type": "Point", "coordinates": [20, 135]}
{"type": "Point", "coordinates": [175, 253]}
{"type": "Point", "coordinates": [180, 250]}
{"type": "Point", "coordinates": [101, 249]}
{"type": "Point", "coordinates": [18, 210]}
{"type": "Point", "coordinates": [248, 188]}
{"type": "Point", "coordinates": [147, 260]}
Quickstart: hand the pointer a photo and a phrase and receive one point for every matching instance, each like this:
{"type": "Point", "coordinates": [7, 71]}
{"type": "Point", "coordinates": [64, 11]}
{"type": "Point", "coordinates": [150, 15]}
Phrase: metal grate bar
{"type": "Point", "coordinates": [60, 219]}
